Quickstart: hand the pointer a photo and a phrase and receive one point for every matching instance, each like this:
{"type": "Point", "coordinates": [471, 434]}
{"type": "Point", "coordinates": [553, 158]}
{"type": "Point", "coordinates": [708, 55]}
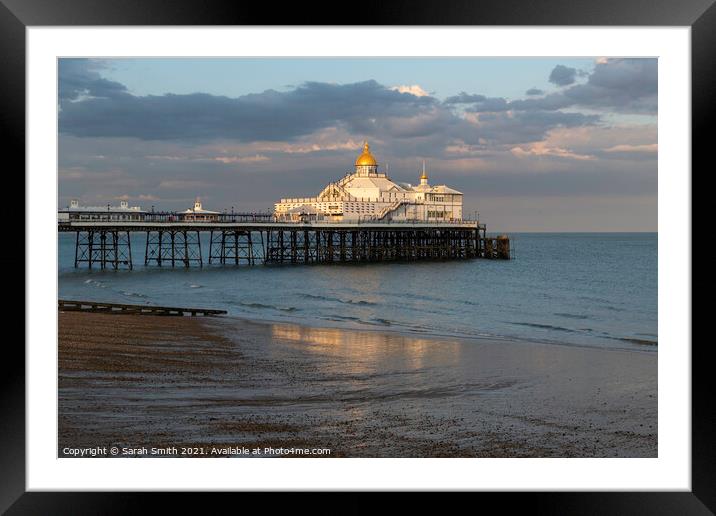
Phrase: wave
{"type": "Point", "coordinates": [95, 283]}
{"type": "Point", "coordinates": [269, 307]}
{"type": "Point", "coordinates": [640, 342]}
{"type": "Point", "coordinates": [339, 300]}
{"type": "Point", "coordinates": [571, 316]}
{"type": "Point", "coordinates": [341, 318]}
{"type": "Point", "coordinates": [545, 326]}
{"type": "Point", "coordinates": [132, 294]}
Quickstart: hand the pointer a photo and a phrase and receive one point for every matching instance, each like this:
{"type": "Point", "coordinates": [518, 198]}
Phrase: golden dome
{"type": "Point", "coordinates": [366, 158]}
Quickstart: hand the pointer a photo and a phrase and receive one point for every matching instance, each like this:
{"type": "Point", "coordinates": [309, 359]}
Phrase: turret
{"type": "Point", "coordinates": [366, 165]}
{"type": "Point", "coordinates": [424, 176]}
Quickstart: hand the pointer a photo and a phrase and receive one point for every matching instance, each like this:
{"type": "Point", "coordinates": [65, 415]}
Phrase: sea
{"type": "Point", "coordinates": [584, 289]}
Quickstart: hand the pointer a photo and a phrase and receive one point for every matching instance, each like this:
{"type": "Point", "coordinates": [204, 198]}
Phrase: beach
{"type": "Point", "coordinates": [141, 383]}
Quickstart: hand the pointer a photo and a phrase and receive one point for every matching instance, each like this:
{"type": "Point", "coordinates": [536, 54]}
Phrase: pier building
{"type": "Point", "coordinates": [198, 213]}
{"type": "Point", "coordinates": [363, 217]}
{"type": "Point", "coordinates": [123, 212]}
{"type": "Point", "coordinates": [368, 194]}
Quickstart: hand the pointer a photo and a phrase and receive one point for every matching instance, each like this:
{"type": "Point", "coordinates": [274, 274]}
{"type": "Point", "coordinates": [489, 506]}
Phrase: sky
{"type": "Point", "coordinates": [535, 144]}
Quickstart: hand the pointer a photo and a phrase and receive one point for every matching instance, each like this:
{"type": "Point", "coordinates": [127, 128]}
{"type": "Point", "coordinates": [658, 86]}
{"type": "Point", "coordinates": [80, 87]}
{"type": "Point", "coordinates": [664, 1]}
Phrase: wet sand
{"type": "Point", "coordinates": [151, 381]}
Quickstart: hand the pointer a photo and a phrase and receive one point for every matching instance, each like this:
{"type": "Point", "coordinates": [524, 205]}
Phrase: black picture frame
{"type": "Point", "coordinates": [17, 15]}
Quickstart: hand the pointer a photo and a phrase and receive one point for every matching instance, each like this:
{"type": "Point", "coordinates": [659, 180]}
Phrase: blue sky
{"type": "Point", "coordinates": [439, 76]}
{"type": "Point", "coordinates": [536, 144]}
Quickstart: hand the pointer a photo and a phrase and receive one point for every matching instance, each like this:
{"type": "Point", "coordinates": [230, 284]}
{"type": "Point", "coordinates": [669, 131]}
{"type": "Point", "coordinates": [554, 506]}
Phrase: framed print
{"type": "Point", "coordinates": [424, 256]}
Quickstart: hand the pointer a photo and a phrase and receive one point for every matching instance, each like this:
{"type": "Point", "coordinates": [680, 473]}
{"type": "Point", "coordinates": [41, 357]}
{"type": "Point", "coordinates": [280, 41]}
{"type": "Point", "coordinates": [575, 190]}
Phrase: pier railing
{"type": "Point", "coordinates": [169, 217]}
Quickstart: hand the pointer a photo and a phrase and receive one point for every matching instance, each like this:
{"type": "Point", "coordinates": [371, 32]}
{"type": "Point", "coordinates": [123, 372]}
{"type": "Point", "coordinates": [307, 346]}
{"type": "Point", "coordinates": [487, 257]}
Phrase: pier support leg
{"type": "Point", "coordinates": [173, 247]}
{"type": "Point", "coordinates": [382, 244]}
{"type": "Point", "coordinates": [231, 246]}
{"type": "Point", "coordinates": [106, 248]}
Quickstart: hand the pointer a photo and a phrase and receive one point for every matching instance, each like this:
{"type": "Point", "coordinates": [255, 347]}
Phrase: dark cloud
{"type": "Point", "coordinates": [563, 75]}
{"type": "Point", "coordinates": [81, 77]}
{"type": "Point", "coordinates": [94, 106]}
{"type": "Point", "coordinates": [501, 128]}
{"type": "Point", "coordinates": [629, 85]}
{"type": "Point", "coordinates": [491, 104]}
{"type": "Point", "coordinates": [619, 85]}
{"type": "Point", "coordinates": [270, 115]}
{"type": "Point", "coordinates": [464, 98]}
{"type": "Point", "coordinates": [550, 102]}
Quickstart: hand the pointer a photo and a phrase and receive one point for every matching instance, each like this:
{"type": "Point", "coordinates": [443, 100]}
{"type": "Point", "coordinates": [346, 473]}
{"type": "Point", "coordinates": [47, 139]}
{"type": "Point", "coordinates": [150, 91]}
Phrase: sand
{"type": "Point", "coordinates": [157, 386]}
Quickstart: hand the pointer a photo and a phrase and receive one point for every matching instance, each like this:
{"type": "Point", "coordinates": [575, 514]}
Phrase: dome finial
{"type": "Point", "coordinates": [424, 176]}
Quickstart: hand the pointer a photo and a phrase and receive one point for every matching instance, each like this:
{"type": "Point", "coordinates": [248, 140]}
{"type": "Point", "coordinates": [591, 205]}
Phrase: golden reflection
{"type": "Point", "coordinates": [365, 350]}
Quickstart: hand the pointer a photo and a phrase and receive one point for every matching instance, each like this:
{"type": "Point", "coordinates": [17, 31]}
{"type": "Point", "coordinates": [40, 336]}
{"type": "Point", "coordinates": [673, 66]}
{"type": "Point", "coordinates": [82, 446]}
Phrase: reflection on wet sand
{"type": "Point", "coordinates": [165, 381]}
{"type": "Point", "coordinates": [369, 349]}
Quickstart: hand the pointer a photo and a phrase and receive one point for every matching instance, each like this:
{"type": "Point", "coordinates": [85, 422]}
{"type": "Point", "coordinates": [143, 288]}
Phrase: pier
{"type": "Point", "coordinates": [252, 239]}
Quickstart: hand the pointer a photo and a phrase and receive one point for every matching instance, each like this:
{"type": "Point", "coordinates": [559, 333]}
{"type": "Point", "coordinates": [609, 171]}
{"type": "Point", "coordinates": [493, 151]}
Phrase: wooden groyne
{"type": "Point", "coordinates": [119, 308]}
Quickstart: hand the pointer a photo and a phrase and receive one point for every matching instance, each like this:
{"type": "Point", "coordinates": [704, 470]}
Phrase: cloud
{"type": "Point", "coordinates": [183, 184]}
{"type": "Point", "coordinates": [619, 85]}
{"type": "Point", "coordinates": [140, 197]}
{"type": "Point", "coordinates": [81, 78]}
{"type": "Point", "coordinates": [270, 115]}
{"type": "Point", "coordinates": [413, 89]}
{"type": "Point", "coordinates": [491, 105]}
{"type": "Point", "coordinates": [363, 109]}
{"type": "Point", "coordinates": [257, 158]}
{"type": "Point", "coordinates": [464, 98]}
{"type": "Point", "coordinates": [542, 149]}
{"type": "Point", "coordinates": [651, 147]}
{"type": "Point", "coordinates": [563, 75]}
{"type": "Point", "coordinates": [524, 126]}
{"type": "Point", "coordinates": [629, 85]}
{"type": "Point", "coordinates": [292, 142]}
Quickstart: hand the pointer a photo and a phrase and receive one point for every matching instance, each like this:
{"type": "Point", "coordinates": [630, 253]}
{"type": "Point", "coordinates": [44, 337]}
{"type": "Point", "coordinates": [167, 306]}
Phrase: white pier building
{"type": "Point", "coordinates": [370, 195]}
{"type": "Point", "coordinates": [198, 213]}
{"type": "Point", "coordinates": [123, 212]}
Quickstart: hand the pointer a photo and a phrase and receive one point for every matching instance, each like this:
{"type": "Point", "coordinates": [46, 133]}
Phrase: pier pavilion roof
{"type": "Point", "coordinates": [366, 158]}
{"type": "Point", "coordinates": [373, 184]}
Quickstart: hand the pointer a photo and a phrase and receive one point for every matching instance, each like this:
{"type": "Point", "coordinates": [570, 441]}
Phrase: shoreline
{"type": "Point", "coordinates": [638, 345]}
{"type": "Point", "coordinates": [645, 346]}
{"type": "Point", "coordinates": [152, 381]}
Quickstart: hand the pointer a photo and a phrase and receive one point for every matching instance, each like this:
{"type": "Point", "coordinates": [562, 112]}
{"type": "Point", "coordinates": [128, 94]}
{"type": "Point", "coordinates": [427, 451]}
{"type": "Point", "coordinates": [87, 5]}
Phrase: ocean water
{"type": "Point", "coordinates": [591, 289]}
